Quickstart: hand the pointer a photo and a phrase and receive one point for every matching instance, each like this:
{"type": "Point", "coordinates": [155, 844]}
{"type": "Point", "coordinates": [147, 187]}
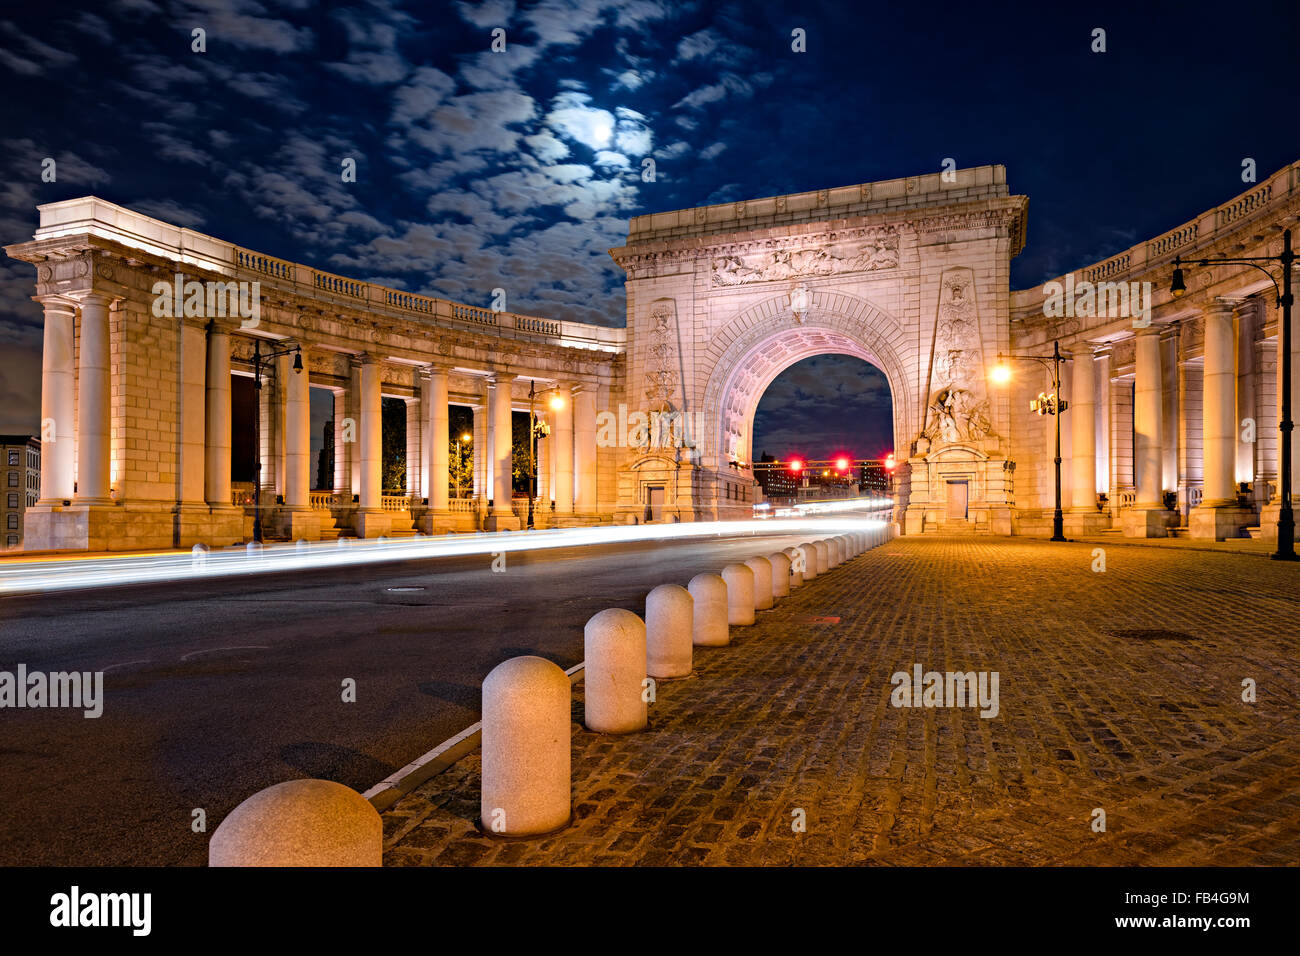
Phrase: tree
{"type": "Point", "coordinates": [394, 431]}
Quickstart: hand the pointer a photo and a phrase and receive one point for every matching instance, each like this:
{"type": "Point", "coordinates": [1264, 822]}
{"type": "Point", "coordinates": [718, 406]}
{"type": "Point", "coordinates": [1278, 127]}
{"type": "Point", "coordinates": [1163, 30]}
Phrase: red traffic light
{"type": "Point", "coordinates": [796, 464]}
{"type": "Point", "coordinates": [842, 464]}
{"type": "Point", "coordinates": [889, 462]}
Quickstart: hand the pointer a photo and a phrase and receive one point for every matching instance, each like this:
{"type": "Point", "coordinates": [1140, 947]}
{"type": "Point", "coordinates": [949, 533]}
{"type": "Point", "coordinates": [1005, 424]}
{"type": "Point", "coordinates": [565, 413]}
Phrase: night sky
{"type": "Point", "coordinates": [520, 169]}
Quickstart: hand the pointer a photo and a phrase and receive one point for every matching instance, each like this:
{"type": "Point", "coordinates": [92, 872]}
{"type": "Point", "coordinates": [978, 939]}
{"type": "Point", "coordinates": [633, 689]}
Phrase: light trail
{"type": "Point", "coordinates": [59, 574]}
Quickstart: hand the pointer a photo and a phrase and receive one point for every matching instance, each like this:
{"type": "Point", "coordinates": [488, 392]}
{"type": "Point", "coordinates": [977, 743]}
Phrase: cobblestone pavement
{"type": "Point", "coordinates": [1119, 690]}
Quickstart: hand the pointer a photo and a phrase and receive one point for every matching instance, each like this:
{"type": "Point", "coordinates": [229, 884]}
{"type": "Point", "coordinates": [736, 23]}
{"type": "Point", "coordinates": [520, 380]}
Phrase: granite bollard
{"type": "Point", "coordinates": [300, 823]}
{"type": "Point", "coordinates": [613, 679]}
{"type": "Point", "coordinates": [710, 594]}
{"type": "Point", "coordinates": [762, 569]}
{"type": "Point", "coordinates": [669, 623]}
{"type": "Point", "coordinates": [526, 787]}
{"type": "Point", "coordinates": [798, 560]}
{"type": "Point", "coordinates": [780, 562]}
{"type": "Point", "coordinates": [740, 594]}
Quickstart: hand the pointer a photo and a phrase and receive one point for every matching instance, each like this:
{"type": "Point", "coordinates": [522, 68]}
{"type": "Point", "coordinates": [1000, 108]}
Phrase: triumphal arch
{"type": "Point", "coordinates": [910, 275]}
{"type": "Point", "coordinates": [153, 435]}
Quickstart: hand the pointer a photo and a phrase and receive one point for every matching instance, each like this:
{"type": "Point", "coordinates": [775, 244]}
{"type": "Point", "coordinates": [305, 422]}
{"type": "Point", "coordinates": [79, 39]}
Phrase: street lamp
{"type": "Point", "coordinates": [1051, 404]}
{"type": "Point", "coordinates": [536, 429]}
{"type": "Point", "coordinates": [258, 361]}
{"type": "Point", "coordinates": [1178, 287]}
{"type": "Point", "coordinates": [460, 460]}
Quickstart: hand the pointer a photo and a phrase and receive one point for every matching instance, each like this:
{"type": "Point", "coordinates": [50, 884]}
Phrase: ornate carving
{"type": "Point", "coordinates": [955, 416]}
{"type": "Point", "coordinates": [780, 204]}
{"type": "Point", "coordinates": [104, 270]}
{"type": "Point", "coordinates": [958, 409]}
{"type": "Point", "coordinates": [659, 374]}
{"type": "Point", "coordinates": [800, 301]}
{"type": "Point", "coordinates": [878, 253]}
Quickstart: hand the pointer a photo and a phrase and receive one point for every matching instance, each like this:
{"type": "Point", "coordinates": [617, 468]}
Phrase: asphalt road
{"type": "Point", "coordinates": [216, 689]}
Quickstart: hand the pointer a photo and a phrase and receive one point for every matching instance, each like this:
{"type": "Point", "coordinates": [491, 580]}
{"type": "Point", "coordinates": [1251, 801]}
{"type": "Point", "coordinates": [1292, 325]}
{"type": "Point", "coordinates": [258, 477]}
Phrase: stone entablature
{"type": "Point", "coordinates": [824, 205]}
{"type": "Point", "coordinates": [91, 225]}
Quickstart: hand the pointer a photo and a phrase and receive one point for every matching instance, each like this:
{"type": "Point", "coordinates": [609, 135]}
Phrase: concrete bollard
{"type": "Point", "coordinates": [837, 551]}
{"type": "Point", "coordinates": [798, 559]}
{"type": "Point", "coordinates": [810, 560]}
{"type": "Point", "coordinates": [669, 622]}
{"type": "Point", "coordinates": [710, 594]}
{"type": "Point", "coordinates": [822, 550]}
{"type": "Point", "coordinates": [740, 594]}
{"type": "Point", "coordinates": [300, 823]}
{"type": "Point", "coordinates": [302, 545]}
{"type": "Point", "coordinates": [762, 569]}
{"type": "Point", "coordinates": [615, 653]}
{"type": "Point", "coordinates": [525, 788]}
{"type": "Point", "coordinates": [780, 574]}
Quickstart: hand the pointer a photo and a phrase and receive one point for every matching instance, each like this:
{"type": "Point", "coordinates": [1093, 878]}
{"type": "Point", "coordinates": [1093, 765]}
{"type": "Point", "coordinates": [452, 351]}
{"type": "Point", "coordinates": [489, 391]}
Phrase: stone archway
{"type": "Point", "coordinates": [768, 338]}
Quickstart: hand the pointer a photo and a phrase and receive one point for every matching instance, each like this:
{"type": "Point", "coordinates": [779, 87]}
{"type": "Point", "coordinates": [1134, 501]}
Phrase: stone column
{"type": "Point", "coordinates": [1246, 316]}
{"type": "Point", "coordinates": [58, 405]}
{"type": "Point", "coordinates": [1218, 515]}
{"type": "Point", "coordinates": [345, 440]}
{"type": "Point", "coordinates": [502, 517]}
{"type": "Point", "coordinates": [1083, 516]}
{"type": "Point", "coordinates": [482, 453]}
{"type": "Point", "coordinates": [93, 396]}
{"type": "Point", "coordinates": [562, 440]}
{"type": "Point", "coordinates": [438, 443]}
{"type": "Point", "coordinates": [297, 438]}
{"type": "Point", "coordinates": [1148, 518]}
{"type": "Point", "coordinates": [217, 436]}
{"type": "Point", "coordinates": [584, 447]}
{"type": "Point", "coordinates": [371, 521]}
{"type": "Point", "coordinates": [191, 510]}
{"type": "Point", "coordinates": [416, 465]}
{"type": "Point", "coordinates": [1102, 418]}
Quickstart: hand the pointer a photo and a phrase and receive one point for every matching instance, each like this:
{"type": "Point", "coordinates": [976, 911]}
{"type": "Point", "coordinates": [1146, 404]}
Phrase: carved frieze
{"type": "Point", "coordinates": [784, 264]}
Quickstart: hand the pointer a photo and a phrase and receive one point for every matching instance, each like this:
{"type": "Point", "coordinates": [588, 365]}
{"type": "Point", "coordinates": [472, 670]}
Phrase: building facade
{"type": "Point", "coordinates": [150, 328]}
{"type": "Point", "coordinates": [21, 455]}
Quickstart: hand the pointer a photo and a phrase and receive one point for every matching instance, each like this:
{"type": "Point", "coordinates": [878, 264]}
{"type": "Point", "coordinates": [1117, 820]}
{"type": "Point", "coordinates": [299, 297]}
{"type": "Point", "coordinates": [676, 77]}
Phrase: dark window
{"type": "Point", "coordinates": [13, 499]}
{"type": "Point", "coordinates": [13, 522]}
{"type": "Point", "coordinates": [13, 458]}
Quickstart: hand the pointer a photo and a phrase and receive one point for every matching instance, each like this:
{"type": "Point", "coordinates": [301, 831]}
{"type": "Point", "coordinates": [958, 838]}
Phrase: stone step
{"type": "Point", "coordinates": [1255, 532]}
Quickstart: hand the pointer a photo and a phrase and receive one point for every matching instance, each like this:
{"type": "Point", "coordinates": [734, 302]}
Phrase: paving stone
{"type": "Point", "coordinates": [1094, 712]}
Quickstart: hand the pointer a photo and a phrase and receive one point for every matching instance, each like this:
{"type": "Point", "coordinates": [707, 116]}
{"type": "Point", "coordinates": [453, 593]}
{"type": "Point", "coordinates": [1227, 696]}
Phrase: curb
{"type": "Point", "coordinates": [395, 786]}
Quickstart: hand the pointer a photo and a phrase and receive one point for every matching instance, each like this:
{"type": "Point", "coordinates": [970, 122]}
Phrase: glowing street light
{"type": "Point", "coordinates": [842, 464]}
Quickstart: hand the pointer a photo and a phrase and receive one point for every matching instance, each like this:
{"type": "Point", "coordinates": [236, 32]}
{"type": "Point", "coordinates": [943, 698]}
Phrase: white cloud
{"type": "Point", "coordinates": [572, 117]}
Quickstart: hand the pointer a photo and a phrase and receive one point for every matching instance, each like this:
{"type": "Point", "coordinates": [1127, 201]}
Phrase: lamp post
{"type": "Point", "coordinates": [1051, 404]}
{"type": "Point", "coordinates": [1178, 287]}
{"type": "Point", "coordinates": [460, 461]}
{"type": "Point", "coordinates": [536, 429]}
{"type": "Point", "coordinates": [258, 361]}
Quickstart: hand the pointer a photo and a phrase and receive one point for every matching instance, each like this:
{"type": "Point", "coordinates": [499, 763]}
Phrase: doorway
{"type": "Point", "coordinates": [958, 499]}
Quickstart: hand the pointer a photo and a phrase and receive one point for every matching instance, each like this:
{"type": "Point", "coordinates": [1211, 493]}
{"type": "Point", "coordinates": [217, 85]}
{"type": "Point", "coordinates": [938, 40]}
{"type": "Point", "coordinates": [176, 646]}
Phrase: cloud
{"type": "Point", "coordinates": [571, 117]}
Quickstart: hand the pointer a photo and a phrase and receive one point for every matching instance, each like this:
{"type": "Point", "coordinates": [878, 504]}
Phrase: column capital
{"type": "Point", "coordinates": [221, 326]}
{"type": "Point", "coordinates": [501, 378]}
{"type": "Point", "coordinates": [56, 303]}
{"type": "Point", "coordinates": [1149, 330]}
{"type": "Point", "coordinates": [94, 298]}
{"type": "Point", "coordinates": [1220, 304]}
{"type": "Point", "coordinates": [367, 358]}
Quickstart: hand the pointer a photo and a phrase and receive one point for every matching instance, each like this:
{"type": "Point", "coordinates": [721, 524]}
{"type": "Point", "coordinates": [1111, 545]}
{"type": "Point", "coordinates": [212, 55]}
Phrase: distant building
{"type": "Point", "coordinates": [776, 481]}
{"type": "Point", "coordinates": [325, 460]}
{"type": "Point", "coordinates": [21, 455]}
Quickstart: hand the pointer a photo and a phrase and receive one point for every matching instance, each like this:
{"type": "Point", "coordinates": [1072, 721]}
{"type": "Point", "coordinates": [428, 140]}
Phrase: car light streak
{"type": "Point", "coordinates": [60, 574]}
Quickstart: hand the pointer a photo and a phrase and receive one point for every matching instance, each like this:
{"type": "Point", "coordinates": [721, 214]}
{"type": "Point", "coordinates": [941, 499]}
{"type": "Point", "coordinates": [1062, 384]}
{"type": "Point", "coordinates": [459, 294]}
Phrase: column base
{"type": "Point", "coordinates": [1086, 523]}
{"type": "Point", "coordinates": [443, 522]}
{"type": "Point", "coordinates": [1218, 522]}
{"type": "Point", "coordinates": [502, 522]}
{"type": "Point", "coordinates": [1140, 522]}
{"type": "Point", "coordinates": [300, 524]}
{"type": "Point", "coordinates": [371, 523]}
